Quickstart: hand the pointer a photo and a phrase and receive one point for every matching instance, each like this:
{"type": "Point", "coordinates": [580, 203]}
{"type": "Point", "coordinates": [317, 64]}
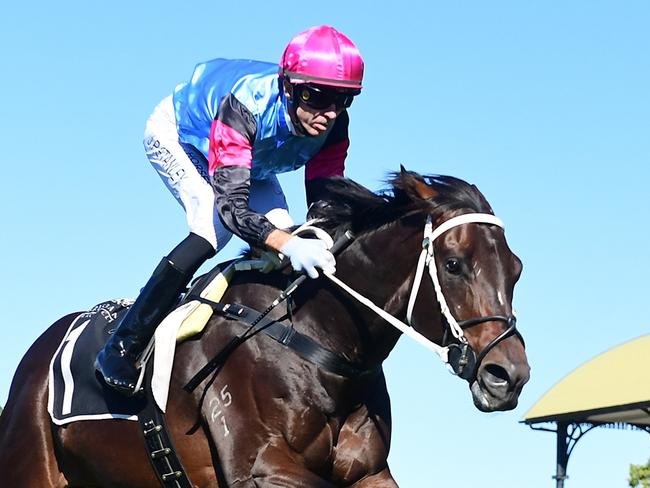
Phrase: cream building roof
{"type": "Point", "coordinates": [612, 387]}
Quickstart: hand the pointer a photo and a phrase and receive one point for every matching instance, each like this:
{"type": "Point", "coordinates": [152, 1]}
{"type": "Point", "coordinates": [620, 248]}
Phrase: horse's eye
{"type": "Point", "coordinates": [452, 265]}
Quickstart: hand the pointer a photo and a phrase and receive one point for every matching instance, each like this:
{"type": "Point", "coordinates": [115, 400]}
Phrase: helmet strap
{"type": "Point", "coordinates": [291, 106]}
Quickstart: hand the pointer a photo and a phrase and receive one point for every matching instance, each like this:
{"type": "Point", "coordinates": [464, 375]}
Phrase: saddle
{"type": "Point", "coordinates": [75, 394]}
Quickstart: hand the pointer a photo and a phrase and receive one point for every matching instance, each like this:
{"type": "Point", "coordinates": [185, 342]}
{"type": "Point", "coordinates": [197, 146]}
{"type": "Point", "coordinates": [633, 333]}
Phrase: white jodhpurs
{"type": "Point", "coordinates": [184, 170]}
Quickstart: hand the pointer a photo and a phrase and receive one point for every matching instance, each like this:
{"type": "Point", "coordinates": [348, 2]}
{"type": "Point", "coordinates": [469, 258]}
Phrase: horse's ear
{"type": "Point", "coordinates": [412, 185]}
{"type": "Point", "coordinates": [415, 185]}
{"type": "Point", "coordinates": [424, 191]}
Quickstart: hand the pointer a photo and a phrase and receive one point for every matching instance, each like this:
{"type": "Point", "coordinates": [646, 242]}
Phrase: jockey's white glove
{"type": "Point", "coordinates": [308, 254]}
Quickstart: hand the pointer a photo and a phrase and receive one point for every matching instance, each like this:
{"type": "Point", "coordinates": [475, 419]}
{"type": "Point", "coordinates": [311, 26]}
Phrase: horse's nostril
{"type": "Point", "coordinates": [496, 375]}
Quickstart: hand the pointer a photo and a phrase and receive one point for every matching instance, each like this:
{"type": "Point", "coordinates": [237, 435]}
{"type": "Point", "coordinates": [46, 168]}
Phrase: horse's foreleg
{"type": "Point", "coordinates": [362, 452]}
{"type": "Point", "coordinates": [383, 479]}
{"type": "Point", "coordinates": [277, 466]}
{"type": "Point", "coordinates": [363, 443]}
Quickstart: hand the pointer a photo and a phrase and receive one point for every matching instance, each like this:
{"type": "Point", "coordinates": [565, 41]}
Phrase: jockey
{"type": "Point", "coordinates": [218, 143]}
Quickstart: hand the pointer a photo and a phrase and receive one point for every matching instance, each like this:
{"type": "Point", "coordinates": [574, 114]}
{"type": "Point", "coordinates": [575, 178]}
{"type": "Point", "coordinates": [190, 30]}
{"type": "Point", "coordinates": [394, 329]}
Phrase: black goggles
{"type": "Point", "coordinates": [321, 98]}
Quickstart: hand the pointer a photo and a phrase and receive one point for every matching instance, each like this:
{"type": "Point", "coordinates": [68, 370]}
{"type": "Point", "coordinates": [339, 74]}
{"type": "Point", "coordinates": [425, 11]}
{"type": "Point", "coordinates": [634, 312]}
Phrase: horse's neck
{"type": "Point", "coordinates": [380, 266]}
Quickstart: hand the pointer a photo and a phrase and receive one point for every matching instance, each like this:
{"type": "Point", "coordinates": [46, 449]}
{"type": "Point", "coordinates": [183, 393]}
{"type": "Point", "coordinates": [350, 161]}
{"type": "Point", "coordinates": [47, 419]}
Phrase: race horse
{"type": "Point", "coordinates": [268, 417]}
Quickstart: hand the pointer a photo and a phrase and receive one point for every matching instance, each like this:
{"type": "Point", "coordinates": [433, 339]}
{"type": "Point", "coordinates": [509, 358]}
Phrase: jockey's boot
{"type": "Point", "coordinates": [116, 361]}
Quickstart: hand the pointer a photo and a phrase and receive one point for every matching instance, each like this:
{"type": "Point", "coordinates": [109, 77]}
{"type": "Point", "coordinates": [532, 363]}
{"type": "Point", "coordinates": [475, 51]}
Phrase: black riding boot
{"type": "Point", "coordinates": [116, 361]}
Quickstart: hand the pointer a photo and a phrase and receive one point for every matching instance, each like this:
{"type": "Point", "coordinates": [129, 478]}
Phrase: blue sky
{"type": "Point", "coordinates": [543, 105]}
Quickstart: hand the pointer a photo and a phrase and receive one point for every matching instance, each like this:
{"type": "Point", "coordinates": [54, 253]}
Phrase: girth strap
{"type": "Point", "coordinates": [158, 442]}
{"type": "Point", "coordinates": [283, 332]}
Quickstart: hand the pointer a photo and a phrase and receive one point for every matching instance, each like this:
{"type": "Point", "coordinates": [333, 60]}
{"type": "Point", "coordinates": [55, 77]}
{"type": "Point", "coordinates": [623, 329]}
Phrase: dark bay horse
{"type": "Point", "coordinates": [273, 419]}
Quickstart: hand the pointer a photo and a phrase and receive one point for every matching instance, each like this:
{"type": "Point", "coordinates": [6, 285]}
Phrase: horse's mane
{"type": "Point", "coordinates": [350, 205]}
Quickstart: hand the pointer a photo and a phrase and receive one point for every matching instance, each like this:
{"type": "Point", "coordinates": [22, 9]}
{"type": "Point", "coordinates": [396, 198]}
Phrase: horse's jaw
{"type": "Point", "coordinates": [486, 402]}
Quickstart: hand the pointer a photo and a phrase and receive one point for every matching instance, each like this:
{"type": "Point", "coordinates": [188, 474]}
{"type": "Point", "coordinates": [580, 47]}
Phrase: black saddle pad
{"type": "Point", "coordinates": [75, 392]}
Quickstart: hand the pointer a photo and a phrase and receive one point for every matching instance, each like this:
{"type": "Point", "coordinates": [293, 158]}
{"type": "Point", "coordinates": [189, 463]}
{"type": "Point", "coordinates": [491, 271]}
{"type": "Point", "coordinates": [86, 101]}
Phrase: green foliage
{"type": "Point", "coordinates": [640, 475]}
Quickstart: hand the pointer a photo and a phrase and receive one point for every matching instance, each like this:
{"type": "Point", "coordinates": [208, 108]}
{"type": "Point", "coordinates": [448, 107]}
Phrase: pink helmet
{"type": "Point", "coordinates": [324, 56]}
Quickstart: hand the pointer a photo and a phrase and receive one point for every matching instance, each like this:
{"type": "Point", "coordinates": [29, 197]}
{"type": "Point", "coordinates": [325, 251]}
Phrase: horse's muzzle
{"type": "Point", "coordinates": [497, 386]}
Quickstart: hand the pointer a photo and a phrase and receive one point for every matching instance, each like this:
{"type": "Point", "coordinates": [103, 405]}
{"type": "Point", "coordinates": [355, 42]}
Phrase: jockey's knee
{"type": "Point", "coordinates": [191, 253]}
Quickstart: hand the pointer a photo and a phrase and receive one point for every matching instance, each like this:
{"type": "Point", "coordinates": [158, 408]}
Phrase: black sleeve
{"type": "Point", "coordinates": [232, 187]}
{"type": "Point", "coordinates": [235, 115]}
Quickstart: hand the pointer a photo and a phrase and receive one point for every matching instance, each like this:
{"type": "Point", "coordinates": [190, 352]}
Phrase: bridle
{"type": "Point", "coordinates": [459, 355]}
